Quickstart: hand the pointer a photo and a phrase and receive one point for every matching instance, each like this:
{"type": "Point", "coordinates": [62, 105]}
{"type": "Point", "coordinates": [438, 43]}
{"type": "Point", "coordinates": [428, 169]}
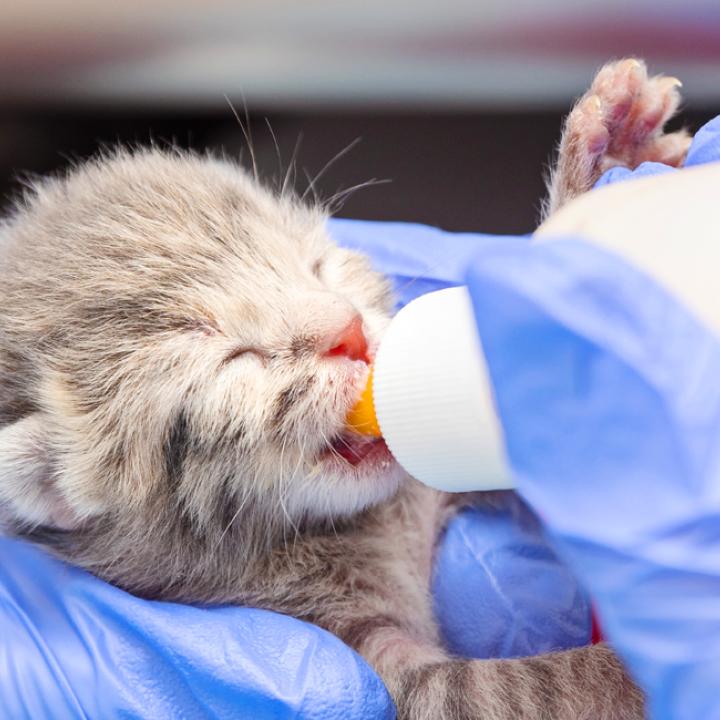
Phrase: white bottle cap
{"type": "Point", "coordinates": [433, 398]}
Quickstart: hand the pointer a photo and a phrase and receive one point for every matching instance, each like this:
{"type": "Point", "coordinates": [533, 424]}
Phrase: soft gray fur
{"type": "Point", "coordinates": [170, 417]}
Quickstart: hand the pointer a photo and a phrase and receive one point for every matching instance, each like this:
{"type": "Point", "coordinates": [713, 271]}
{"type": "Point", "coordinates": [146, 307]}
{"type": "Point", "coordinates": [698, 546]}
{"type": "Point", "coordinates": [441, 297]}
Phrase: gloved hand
{"type": "Point", "coordinates": [72, 646]}
{"type": "Point", "coordinates": [609, 395]}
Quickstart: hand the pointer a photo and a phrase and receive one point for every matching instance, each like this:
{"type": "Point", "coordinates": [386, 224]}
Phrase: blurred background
{"type": "Point", "coordinates": [457, 102]}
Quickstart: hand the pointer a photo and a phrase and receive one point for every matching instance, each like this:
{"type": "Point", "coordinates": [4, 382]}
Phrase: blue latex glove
{"type": "Point", "coordinates": [609, 395]}
{"type": "Point", "coordinates": [72, 646]}
{"type": "Point", "coordinates": [500, 589]}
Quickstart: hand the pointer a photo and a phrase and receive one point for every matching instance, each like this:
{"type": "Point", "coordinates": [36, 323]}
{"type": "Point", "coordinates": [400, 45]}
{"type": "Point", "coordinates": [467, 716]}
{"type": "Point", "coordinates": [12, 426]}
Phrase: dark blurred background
{"type": "Point", "coordinates": [458, 103]}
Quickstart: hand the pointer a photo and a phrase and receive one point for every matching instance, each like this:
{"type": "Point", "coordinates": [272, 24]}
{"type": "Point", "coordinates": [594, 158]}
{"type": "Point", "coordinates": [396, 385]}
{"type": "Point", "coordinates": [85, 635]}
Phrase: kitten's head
{"type": "Point", "coordinates": [178, 351]}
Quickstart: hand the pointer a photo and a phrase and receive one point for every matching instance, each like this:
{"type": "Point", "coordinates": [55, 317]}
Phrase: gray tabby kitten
{"type": "Point", "coordinates": [178, 350]}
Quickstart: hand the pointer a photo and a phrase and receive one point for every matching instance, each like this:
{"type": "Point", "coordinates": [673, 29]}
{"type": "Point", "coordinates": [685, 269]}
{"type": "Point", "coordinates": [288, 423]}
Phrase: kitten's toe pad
{"type": "Point", "coordinates": [620, 121]}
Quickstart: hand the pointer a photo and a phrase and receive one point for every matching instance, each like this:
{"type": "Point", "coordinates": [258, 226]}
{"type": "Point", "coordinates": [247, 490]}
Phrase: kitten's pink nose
{"type": "Point", "coordinates": [350, 342]}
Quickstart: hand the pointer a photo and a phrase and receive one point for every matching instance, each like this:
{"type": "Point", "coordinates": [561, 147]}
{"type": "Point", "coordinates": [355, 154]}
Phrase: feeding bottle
{"type": "Point", "coordinates": [429, 396]}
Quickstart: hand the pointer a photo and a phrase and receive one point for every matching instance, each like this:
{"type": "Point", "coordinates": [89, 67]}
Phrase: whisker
{"type": "Point", "coordinates": [330, 446]}
{"type": "Point", "coordinates": [342, 196]}
{"type": "Point", "coordinates": [281, 481]}
{"type": "Point", "coordinates": [314, 192]}
{"type": "Point", "coordinates": [232, 520]}
{"type": "Point", "coordinates": [278, 489]}
{"type": "Point", "coordinates": [301, 462]}
{"type": "Point", "coordinates": [247, 133]}
{"type": "Point", "coordinates": [251, 144]}
{"type": "Point", "coordinates": [277, 148]}
{"type": "Point", "coordinates": [344, 151]}
{"type": "Point", "coordinates": [407, 284]}
{"type": "Point", "coordinates": [328, 514]}
{"type": "Point", "coordinates": [292, 166]}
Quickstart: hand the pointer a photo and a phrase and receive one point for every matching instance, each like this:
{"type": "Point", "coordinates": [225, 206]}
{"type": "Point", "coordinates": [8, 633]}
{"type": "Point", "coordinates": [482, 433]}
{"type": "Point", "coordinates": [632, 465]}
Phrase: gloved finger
{"type": "Point", "coordinates": [73, 646]}
{"type": "Point", "coordinates": [417, 258]}
{"type": "Point", "coordinates": [500, 589]}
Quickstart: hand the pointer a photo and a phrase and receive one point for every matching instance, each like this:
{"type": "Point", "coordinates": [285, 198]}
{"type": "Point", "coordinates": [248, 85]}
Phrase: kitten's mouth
{"type": "Point", "coordinates": [354, 448]}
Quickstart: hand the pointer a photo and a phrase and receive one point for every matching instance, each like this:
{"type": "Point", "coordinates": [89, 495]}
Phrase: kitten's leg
{"type": "Point", "coordinates": [619, 121]}
{"type": "Point", "coordinates": [586, 683]}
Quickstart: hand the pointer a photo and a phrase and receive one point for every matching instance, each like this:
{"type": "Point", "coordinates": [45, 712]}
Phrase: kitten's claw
{"type": "Point", "coordinates": [619, 121]}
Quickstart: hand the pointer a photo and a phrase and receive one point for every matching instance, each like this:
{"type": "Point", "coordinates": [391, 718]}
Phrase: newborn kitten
{"type": "Point", "coordinates": [178, 350]}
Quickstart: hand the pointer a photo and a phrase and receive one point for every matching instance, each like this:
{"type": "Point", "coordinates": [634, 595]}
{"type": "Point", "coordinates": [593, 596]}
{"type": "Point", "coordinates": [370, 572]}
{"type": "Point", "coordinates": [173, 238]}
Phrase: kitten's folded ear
{"type": "Point", "coordinates": [29, 492]}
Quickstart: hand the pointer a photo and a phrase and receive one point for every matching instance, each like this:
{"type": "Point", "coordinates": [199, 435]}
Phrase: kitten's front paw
{"type": "Point", "coordinates": [619, 121]}
{"type": "Point", "coordinates": [633, 109]}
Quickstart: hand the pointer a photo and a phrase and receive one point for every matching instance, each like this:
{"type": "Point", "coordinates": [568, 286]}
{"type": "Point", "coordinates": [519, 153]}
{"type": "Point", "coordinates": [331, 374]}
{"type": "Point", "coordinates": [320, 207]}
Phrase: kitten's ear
{"type": "Point", "coordinates": [28, 487]}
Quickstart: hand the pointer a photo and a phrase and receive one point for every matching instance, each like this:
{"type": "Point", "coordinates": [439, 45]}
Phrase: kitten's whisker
{"type": "Point", "coordinates": [301, 460]}
{"type": "Point", "coordinates": [314, 192]}
{"type": "Point", "coordinates": [344, 442]}
{"type": "Point", "coordinates": [277, 148]}
{"type": "Point", "coordinates": [300, 463]}
{"type": "Point", "coordinates": [292, 166]}
{"type": "Point", "coordinates": [247, 133]}
{"type": "Point", "coordinates": [281, 498]}
{"type": "Point", "coordinates": [251, 144]}
{"type": "Point", "coordinates": [433, 267]}
{"type": "Point", "coordinates": [344, 151]}
{"type": "Point", "coordinates": [279, 492]}
{"type": "Point", "coordinates": [343, 195]}
{"type": "Point", "coordinates": [328, 514]}
{"type": "Point", "coordinates": [407, 284]}
{"type": "Point", "coordinates": [330, 446]}
{"type": "Point", "coordinates": [232, 520]}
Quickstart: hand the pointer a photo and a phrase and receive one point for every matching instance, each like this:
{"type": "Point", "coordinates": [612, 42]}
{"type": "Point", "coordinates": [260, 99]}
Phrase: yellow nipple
{"type": "Point", "coordinates": [362, 418]}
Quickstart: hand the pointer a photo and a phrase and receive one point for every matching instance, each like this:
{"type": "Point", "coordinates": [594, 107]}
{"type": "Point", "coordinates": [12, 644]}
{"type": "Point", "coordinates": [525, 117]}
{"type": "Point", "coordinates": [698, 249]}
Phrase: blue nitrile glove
{"type": "Point", "coordinates": [609, 395]}
{"type": "Point", "coordinates": [72, 646]}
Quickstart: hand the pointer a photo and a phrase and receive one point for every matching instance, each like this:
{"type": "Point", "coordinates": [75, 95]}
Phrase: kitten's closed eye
{"type": "Point", "coordinates": [210, 327]}
{"type": "Point", "coordinates": [245, 351]}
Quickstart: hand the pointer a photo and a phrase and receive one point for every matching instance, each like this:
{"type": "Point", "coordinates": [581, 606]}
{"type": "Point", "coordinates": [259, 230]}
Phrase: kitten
{"type": "Point", "coordinates": [178, 351]}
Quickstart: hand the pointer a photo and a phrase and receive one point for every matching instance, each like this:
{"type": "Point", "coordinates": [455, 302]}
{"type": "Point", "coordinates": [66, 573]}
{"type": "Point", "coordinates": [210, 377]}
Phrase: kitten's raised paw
{"type": "Point", "coordinates": [618, 122]}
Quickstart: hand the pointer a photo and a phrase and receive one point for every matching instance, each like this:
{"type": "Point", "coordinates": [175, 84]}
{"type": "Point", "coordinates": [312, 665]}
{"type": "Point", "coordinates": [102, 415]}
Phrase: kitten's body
{"type": "Point", "coordinates": [173, 382]}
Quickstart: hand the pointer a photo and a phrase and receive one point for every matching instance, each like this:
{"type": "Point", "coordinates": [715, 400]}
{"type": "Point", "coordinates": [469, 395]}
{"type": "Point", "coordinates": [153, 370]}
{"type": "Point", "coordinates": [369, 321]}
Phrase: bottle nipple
{"type": "Point", "coordinates": [429, 388]}
{"type": "Point", "coordinates": [362, 418]}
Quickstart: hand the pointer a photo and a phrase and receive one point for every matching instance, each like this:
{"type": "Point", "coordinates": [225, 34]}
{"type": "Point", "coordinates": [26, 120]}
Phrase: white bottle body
{"type": "Point", "coordinates": [433, 396]}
